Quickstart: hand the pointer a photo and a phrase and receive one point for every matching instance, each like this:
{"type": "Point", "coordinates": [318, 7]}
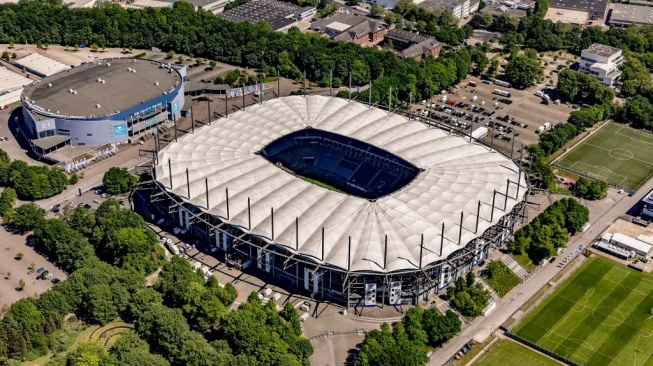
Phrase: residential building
{"type": "Point", "coordinates": [413, 45]}
{"type": "Point", "coordinates": [366, 33]}
{"type": "Point", "coordinates": [461, 9]}
{"type": "Point", "coordinates": [603, 62]}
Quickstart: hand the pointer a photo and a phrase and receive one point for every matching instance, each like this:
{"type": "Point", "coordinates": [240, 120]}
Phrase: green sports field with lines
{"type": "Point", "coordinates": [510, 353]}
{"type": "Point", "coordinates": [616, 153]}
{"type": "Point", "coordinates": [600, 316]}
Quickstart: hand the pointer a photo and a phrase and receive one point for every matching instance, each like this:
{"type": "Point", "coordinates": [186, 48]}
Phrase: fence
{"type": "Point", "coordinates": [589, 175]}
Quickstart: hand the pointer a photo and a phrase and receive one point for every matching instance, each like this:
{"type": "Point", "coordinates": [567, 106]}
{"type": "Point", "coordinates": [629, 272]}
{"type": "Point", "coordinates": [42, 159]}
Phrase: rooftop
{"type": "Point", "coordinates": [360, 30]}
{"type": "Point", "coordinates": [340, 21]}
{"type": "Point", "coordinates": [629, 13]}
{"type": "Point", "coordinates": [118, 89]}
{"type": "Point", "coordinates": [41, 65]}
{"type": "Point", "coordinates": [405, 36]}
{"type": "Point", "coordinates": [595, 8]}
{"type": "Point", "coordinates": [442, 4]}
{"type": "Point", "coordinates": [457, 178]}
{"type": "Point", "coordinates": [420, 49]}
{"type": "Point", "coordinates": [517, 9]}
{"type": "Point", "coordinates": [10, 80]}
{"type": "Point", "coordinates": [578, 17]}
{"type": "Point", "coordinates": [602, 50]}
{"type": "Point", "coordinates": [278, 14]}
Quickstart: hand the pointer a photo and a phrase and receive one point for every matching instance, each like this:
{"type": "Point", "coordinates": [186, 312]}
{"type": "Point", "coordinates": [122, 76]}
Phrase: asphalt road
{"type": "Point", "coordinates": [517, 297]}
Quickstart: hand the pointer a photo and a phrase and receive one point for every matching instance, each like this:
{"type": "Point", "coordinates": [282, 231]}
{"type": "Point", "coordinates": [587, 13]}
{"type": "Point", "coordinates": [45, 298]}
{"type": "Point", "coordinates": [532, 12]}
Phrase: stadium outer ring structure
{"type": "Point", "coordinates": [412, 243]}
{"type": "Point", "coordinates": [143, 99]}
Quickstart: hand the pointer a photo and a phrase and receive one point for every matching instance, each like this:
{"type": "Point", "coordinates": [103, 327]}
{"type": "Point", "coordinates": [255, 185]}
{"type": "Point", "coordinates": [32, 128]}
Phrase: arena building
{"type": "Point", "coordinates": [101, 102]}
{"type": "Point", "coordinates": [339, 200]}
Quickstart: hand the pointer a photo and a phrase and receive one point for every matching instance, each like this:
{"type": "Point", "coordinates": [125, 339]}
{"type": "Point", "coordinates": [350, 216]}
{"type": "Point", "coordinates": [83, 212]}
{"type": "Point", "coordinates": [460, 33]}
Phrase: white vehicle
{"type": "Point", "coordinates": [422, 102]}
{"type": "Point", "coordinates": [474, 98]}
{"type": "Point", "coordinates": [443, 98]}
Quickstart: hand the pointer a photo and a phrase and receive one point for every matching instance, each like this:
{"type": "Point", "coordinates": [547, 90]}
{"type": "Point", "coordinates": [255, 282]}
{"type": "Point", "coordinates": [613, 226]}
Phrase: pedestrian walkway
{"type": "Point", "coordinates": [493, 294]}
{"type": "Point", "coordinates": [443, 307]}
{"type": "Point", "coordinates": [515, 267]}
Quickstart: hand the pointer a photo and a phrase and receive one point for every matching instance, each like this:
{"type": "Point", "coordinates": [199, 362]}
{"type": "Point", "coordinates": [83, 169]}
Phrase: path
{"type": "Point", "coordinates": [518, 270]}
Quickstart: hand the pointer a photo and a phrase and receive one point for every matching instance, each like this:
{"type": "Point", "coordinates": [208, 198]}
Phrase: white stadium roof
{"type": "Point", "coordinates": [41, 65]}
{"type": "Point", "coordinates": [456, 176]}
{"type": "Point", "coordinates": [10, 81]}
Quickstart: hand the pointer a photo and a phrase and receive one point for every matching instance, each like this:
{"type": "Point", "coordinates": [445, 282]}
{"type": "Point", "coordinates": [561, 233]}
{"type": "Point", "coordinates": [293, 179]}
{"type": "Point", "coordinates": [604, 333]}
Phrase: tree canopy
{"type": "Point", "coordinates": [118, 181]}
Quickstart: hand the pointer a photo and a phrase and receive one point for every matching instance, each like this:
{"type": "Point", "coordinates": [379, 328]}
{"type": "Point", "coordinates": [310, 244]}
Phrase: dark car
{"type": "Point", "coordinates": [552, 260]}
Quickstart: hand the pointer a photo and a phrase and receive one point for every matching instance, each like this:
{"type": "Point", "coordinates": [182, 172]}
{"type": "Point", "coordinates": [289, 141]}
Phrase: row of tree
{"type": "Point", "coordinates": [550, 230]}
{"type": "Point", "coordinates": [31, 182]}
{"type": "Point", "coordinates": [406, 343]}
{"type": "Point", "coordinates": [468, 296]}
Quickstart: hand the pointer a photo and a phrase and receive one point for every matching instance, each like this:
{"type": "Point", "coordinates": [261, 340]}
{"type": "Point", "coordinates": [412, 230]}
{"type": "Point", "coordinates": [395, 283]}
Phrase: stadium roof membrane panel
{"type": "Point", "coordinates": [456, 176]}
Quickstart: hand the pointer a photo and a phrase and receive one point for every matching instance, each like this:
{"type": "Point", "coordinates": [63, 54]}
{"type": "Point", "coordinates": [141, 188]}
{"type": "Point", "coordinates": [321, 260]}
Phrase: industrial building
{"type": "Point", "coordinates": [635, 12]}
{"type": "Point", "coordinates": [602, 62]}
{"type": "Point", "coordinates": [11, 86]}
{"type": "Point", "coordinates": [409, 209]}
{"type": "Point", "coordinates": [628, 243]}
{"type": "Point", "coordinates": [102, 102]}
{"type": "Point", "coordinates": [280, 15]}
{"type": "Point", "coordinates": [517, 9]}
{"type": "Point", "coordinates": [647, 205]}
{"type": "Point", "coordinates": [596, 10]}
{"type": "Point", "coordinates": [40, 65]}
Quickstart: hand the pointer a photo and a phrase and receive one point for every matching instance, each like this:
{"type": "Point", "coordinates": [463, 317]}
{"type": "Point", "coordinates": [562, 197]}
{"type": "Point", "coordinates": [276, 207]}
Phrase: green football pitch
{"type": "Point", "coordinates": [616, 153]}
{"type": "Point", "coordinates": [510, 353]}
{"type": "Point", "coordinates": [600, 316]}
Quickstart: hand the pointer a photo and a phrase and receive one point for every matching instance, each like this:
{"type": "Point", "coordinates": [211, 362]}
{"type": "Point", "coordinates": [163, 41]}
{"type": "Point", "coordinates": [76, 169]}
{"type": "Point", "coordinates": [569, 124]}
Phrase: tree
{"type": "Point", "coordinates": [7, 200]}
{"type": "Point", "coordinates": [180, 59]}
{"type": "Point", "coordinates": [89, 354]}
{"type": "Point", "coordinates": [131, 350]}
{"type": "Point", "coordinates": [522, 71]}
{"type": "Point", "coordinates": [24, 313]}
{"type": "Point", "coordinates": [82, 220]}
{"type": "Point", "coordinates": [376, 10]}
{"type": "Point", "coordinates": [212, 64]}
{"type": "Point", "coordinates": [164, 329]}
{"type": "Point", "coordinates": [118, 181]}
{"type": "Point", "coordinates": [481, 20]}
{"type": "Point", "coordinates": [98, 305]}
{"type": "Point", "coordinates": [131, 247]}
{"type": "Point", "coordinates": [170, 54]}
{"type": "Point", "coordinates": [27, 217]}
{"type": "Point", "coordinates": [19, 256]}
{"type": "Point", "coordinates": [21, 284]}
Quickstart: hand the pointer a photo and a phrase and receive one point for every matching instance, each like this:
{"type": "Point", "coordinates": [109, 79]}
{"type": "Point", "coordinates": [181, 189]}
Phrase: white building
{"type": "Point", "coordinates": [603, 62]}
{"type": "Point", "coordinates": [633, 244]}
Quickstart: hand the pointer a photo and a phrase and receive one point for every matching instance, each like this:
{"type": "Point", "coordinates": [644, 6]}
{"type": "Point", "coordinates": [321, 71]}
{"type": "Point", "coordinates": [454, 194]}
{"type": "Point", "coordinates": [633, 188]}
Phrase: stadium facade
{"type": "Point", "coordinates": [106, 101]}
{"type": "Point", "coordinates": [339, 200]}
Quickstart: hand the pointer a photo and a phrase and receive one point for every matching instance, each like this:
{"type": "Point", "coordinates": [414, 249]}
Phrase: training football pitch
{"type": "Point", "coordinates": [600, 316]}
{"type": "Point", "coordinates": [616, 153]}
{"type": "Point", "coordinates": [509, 353]}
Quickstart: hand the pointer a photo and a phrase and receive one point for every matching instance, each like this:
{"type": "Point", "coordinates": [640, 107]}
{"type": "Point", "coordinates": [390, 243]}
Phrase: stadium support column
{"type": "Point", "coordinates": [350, 86]}
{"type": "Point", "coordinates": [442, 240]}
{"type": "Point", "coordinates": [419, 279]}
{"type": "Point", "coordinates": [188, 182]}
{"type": "Point", "coordinates": [278, 85]}
{"type": "Point", "coordinates": [518, 181]}
{"type": "Point", "coordinates": [226, 106]}
{"type": "Point", "coordinates": [243, 96]}
{"type": "Point", "coordinates": [385, 253]}
{"type": "Point", "coordinates": [322, 257]}
{"type": "Point", "coordinates": [390, 100]}
{"type": "Point", "coordinates": [226, 195]}
{"type": "Point", "coordinates": [206, 183]}
{"type": "Point", "coordinates": [505, 203]}
{"type": "Point", "coordinates": [272, 221]}
{"type": "Point", "coordinates": [260, 91]}
{"type": "Point", "coordinates": [494, 196]}
{"type": "Point", "coordinates": [460, 233]}
{"type": "Point", "coordinates": [208, 105]}
{"type": "Point", "coordinates": [349, 258]}
{"type": "Point", "coordinates": [297, 233]}
{"type": "Point", "coordinates": [249, 215]}
{"type": "Point", "coordinates": [330, 82]}
{"type": "Point", "coordinates": [369, 95]}
{"type": "Point", "coordinates": [192, 117]}
{"type": "Point", "coordinates": [170, 172]}
{"type": "Point", "coordinates": [304, 83]}
{"type": "Point", "coordinates": [174, 120]}
{"type": "Point", "coordinates": [478, 216]}
{"type": "Point", "coordinates": [513, 143]}
{"type": "Point", "coordinates": [491, 139]}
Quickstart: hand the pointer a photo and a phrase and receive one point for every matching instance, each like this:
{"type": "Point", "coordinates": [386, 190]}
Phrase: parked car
{"type": "Point", "coordinates": [160, 221]}
{"type": "Point", "coordinates": [40, 270]}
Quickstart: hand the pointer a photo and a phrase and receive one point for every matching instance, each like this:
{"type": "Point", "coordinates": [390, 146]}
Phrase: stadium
{"type": "Point", "coordinates": [338, 200]}
{"type": "Point", "coordinates": [102, 102]}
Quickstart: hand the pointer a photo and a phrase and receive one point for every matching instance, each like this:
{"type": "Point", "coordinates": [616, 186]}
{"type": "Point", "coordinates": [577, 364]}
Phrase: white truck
{"type": "Point", "coordinates": [479, 133]}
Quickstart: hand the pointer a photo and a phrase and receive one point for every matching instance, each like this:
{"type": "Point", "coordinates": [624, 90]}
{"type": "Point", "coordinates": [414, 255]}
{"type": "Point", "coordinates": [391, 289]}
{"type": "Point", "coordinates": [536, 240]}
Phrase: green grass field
{"type": "Point", "coordinates": [616, 153]}
{"type": "Point", "coordinates": [320, 184]}
{"type": "Point", "coordinates": [600, 316]}
{"type": "Point", "coordinates": [510, 353]}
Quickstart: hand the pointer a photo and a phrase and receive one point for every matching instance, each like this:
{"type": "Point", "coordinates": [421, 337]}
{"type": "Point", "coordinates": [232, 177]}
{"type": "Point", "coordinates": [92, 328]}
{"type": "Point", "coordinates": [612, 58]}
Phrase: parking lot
{"type": "Point", "coordinates": [13, 270]}
{"type": "Point", "coordinates": [506, 118]}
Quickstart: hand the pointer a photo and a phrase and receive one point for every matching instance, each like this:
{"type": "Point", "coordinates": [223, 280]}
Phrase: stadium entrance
{"type": "Point", "coordinates": [340, 163]}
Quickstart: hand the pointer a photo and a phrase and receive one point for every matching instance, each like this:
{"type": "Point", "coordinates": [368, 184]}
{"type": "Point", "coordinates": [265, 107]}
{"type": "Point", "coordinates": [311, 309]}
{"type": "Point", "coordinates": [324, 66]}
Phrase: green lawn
{"type": "Point", "coordinates": [600, 316]}
{"type": "Point", "coordinates": [524, 261]}
{"type": "Point", "coordinates": [503, 280]}
{"type": "Point", "coordinates": [615, 153]}
{"type": "Point", "coordinates": [510, 353]}
{"type": "Point", "coordinates": [321, 184]}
